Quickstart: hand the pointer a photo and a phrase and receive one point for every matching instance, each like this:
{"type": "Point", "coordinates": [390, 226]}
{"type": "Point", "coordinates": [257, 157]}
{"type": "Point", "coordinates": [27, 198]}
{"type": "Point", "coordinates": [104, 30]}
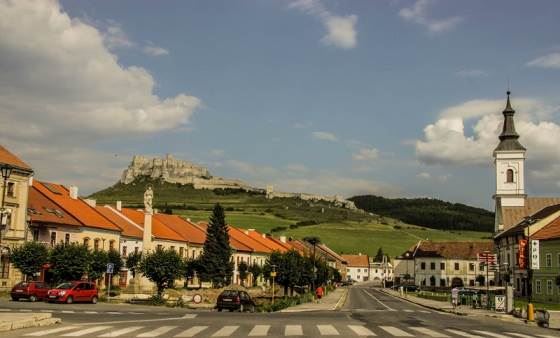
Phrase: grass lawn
{"type": "Point", "coordinates": [522, 303]}
{"type": "Point", "coordinates": [261, 222]}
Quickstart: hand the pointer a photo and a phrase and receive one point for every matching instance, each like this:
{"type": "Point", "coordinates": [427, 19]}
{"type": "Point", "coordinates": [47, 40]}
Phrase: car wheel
{"type": "Point", "coordinates": [69, 300]}
{"type": "Point", "coordinates": [94, 300]}
{"type": "Point", "coordinates": [219, 309]}
{"type": "Point", "coordinates": [15, 299]}
{"type": "Point", "coordinates": [32, 298]}
{"type": "Point", "coordinates": [241, 308]}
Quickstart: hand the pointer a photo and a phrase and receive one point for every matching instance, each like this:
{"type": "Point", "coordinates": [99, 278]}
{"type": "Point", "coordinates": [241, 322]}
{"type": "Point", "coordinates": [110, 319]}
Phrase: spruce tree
{"type": "Point", "coordinates": [216, 256]}
{"type": "Point", "coordinates": [379, 255]}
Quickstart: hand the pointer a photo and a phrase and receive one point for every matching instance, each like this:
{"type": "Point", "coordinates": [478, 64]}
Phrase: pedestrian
{"type": "Point", "coordinates": [319, 292]}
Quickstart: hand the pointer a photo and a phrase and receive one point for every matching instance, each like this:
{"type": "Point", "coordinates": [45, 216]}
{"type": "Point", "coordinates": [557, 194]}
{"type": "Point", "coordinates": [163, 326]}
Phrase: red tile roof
{"type": "Point", "coordinates": [43, 210]}
{"type": "Point", "coordinates": [243, 237]}
{"type": "Point", "coordinates": [361, 261]}
{"type": "Point", "coordinates": [6, 157]}
{"type": "Point", "coordinates": [233, 242]}
{"type": "Point", "coordinates": [127, 226]}
{"type": "Point", "coordinates": [549, 231]}
{"type": "Point", "coordinates": [78, 208]}
{"type": "Point", "coordinates": [263, 239]}
{"type": "Point", "coordinates": [188, 230]}
{"type": "Point", "coordinates": [159, 230]}
{"type": "Point", "coordinates": [510, 216]}
{"type": "Point", "coordinates": [453, 249]}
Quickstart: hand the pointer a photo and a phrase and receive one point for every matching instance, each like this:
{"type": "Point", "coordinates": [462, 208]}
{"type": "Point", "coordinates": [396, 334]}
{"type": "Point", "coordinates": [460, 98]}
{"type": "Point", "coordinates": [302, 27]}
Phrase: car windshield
{"type": "Point", "coordinates": [65, 286]}
{"type": "Point", "coordinates": [22, 285]}
{"type": "Point", "coordinates": [229, 293]}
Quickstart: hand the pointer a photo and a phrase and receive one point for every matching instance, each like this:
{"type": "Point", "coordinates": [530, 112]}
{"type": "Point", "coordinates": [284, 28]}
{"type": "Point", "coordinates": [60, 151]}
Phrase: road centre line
{"type": "Point", "coordinates": [380, 302]}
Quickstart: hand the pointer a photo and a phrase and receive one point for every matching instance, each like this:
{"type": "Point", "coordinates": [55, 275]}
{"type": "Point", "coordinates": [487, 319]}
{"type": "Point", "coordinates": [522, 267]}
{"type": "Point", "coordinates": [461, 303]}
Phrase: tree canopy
{"type": "Point", "coordinates": [30, 257]}
{"type": "Point", "coordinates": [69, 261]}
{"type": "Point", "coordinates": [216, 255]}
{"type": "Point", "coordinates": [162, 267]}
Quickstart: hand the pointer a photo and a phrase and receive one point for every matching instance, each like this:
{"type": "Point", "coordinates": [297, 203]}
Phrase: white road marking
{"type": "Point", "coordinates": [90, 312]}
{"type": "Point", "coordinates": [51, 331]}
{"type": "Point", "coordinates": [380, 302]}
{"type": "Point", "coordinates": [491, 334]}
{"type": "Point", "coordinates": [189, 316]}
{"type": "Point", "coordinates": [519, 335]}
{"type": "Point", "coordinates": [259, 330]}
{"type": "Point", "coordinates": [114, 313]}
{"type": "Point", "coordinates": [463, 334]}
{"type": "Point", "coordinates": [68, 311]}
{"type": "Point", "coordinates": [395, 331]}
{"type": "Point", "coordinates": [47, 311]}
{"type": "Point", "coordinates": [157, 332]}
{"type": "Point", "coordinates": [361, 330]}
{"type": "Point", "coordinates": [546, 336]}
{"type": "Point", "coordinates": [225, 331]}
{"type": "Point", "coordinates": [428, 332]}
{"type": "Point", "coordinates": [192, 331]}
{"type": "Point", "coordinates": [24, 310]}
{"type": "Point", "coordinates": [407, 310]}
{"type": "Point", "coordinates": [424, 311]}
{"type": "Point", "coordinates": [327, 330]}
{"type": "Point", "coordinates": [293, 330]}
{"type": "Point", "coordinates": [86, 331]}
{"type": "Point", "coordinates": [122, 331]}
{"type": "Point", "coordinates": [5, 310]}
{"type": "Point", "coordinates": [136, 313]}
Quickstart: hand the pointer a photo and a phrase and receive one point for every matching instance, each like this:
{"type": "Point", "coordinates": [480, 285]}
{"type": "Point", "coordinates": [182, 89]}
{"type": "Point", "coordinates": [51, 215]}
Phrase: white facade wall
{"type": "Point", "coordinates": [444, 271]}
{"type": "Point", "coordinates": [358, 273]}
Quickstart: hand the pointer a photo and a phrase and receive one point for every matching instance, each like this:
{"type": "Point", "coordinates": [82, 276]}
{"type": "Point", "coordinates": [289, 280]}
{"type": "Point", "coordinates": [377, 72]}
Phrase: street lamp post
{"type": "Point", "coordinates": [6, 172]}
{"type": "Point", "coordinates": [530, 316]}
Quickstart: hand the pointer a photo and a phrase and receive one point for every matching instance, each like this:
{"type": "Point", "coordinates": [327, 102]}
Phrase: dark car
{"type": "Point", "coordinates": [235, 300]}
{"type": "Point", "coordinates": [71, 292]}
{"type": "Point", "coordinates": [29, 290]}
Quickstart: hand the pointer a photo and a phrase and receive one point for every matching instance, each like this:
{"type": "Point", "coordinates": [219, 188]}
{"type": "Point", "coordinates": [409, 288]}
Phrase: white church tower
{"type": "Point", "coordinates": [509, 160]}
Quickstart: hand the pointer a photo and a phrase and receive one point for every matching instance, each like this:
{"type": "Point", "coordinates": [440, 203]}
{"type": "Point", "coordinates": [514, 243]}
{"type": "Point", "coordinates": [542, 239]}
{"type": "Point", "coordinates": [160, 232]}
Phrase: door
{"type": "Point", "coordinates": [80, 292]}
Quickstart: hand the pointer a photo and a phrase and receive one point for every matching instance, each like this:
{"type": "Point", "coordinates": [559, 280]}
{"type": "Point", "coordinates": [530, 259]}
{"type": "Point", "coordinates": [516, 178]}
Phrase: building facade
{"type": "Point", "coordinates": [357, 267]}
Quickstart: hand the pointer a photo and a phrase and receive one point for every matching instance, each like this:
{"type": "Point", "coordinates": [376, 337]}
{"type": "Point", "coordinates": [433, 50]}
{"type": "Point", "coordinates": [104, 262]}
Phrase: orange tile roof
{"type": "Point", "coordinates": [356, 260]}
{"type": "Point", "coordinates": [6, 157]}
{"type": "Point", "coordinates": [43, 210]}
{"type": "Point", "coordinates": [159, 230]}
{"type": "Point", "coordinates": [286, 244]}
{"type": "Point", "coordinates": [78, 208]}
{"type": "Point", "coordinates": [453, 249]}
{"type": "Point", "coordinates": [244, 238]}
{"type": "Point", "coordinates": [299, 246]}
{"type": "Point", "coordinates": [188, 230]}
{"type": "Point", "coordinates": [263, 239]}
{"type": "Point", "coordinates": [127, 226]}
{"type": "Point", "coordinates": [510, 216]}
{"type": "Point", "coordinates": [549, 231]}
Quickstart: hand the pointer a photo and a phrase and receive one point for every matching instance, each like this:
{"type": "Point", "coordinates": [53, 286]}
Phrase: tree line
{"type": "Point", "coordinates": [430, 213]}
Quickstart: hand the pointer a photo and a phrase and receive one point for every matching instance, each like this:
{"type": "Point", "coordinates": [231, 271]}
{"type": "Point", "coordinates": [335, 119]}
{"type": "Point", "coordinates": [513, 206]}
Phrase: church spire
{"type": "Point", "coordinates": [509, 137]}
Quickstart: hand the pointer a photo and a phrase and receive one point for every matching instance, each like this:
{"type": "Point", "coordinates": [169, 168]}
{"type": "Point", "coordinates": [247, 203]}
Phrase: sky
{"type": "Point", "coordinates": [395, 98]}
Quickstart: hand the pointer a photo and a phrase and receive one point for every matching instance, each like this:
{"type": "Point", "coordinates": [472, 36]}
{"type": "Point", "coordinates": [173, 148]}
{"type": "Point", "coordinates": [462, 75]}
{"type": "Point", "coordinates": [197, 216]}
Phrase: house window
{"type": "Point", "coordinates": [181, 251]}
{"type": "Point", "coordinates": [36, 236]}
{"type": "Point", "coordinates": [159, 246]}
{"type": "Point", "coordinates": [11, 189]}
{"type": "Point", "coordinates": [124, 250]}
{"type": "Point", "coordinates": [135, 249]}
{"type": "Point", "coordinates": [471, 267]}
{"type": "Point", "coordinates": [548, 260]}
{"type": "Point", "coordinates": [538, 286]}
{"type": "Point", "coordinates": [86, 242]}
{"type": "Point", "coordinates": [471, 282]}
{"type": "Point", "coordinates": [173, 248]}
{"type": "Point", "coordinates": [423, 266]}
{"type": "Point", "coordinates": [549, 287]}
{"type": "Point", "coordinates": [4, 267]}
{"type": "Point", "coordinates": [442, 282]}
{"type": "Point", "coordinates": [456, 266]}
{"type": "Point", "coordinates": [481, 266]}
{"type": "Point", "coordinates": [67, 239]}
{"type": "Point", "coordinates": [193, 253]}
{"type": "Point", "coordinates": [509, 176]}
{"type": "Point", "coordinates": [442, 266]}
{"type": "Point", "coordinates": [432, 265]}
{"type": "Point", "coordinates": [358, 270]}
{"type": "Point", "coordinates": [111, 245]}
{"type": "Point", "coordinates": [96, 244]}
{"type": "Point", "coordinates": [53, 238]}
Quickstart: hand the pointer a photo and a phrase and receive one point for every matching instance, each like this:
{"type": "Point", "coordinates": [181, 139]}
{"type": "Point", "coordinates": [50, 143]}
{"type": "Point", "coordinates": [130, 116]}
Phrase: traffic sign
{"type": "Point", "coordinates": [110, 268]}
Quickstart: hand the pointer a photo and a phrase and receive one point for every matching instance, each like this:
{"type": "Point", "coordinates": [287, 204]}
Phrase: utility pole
{"type": "Point", "coordinates": [273, 275]}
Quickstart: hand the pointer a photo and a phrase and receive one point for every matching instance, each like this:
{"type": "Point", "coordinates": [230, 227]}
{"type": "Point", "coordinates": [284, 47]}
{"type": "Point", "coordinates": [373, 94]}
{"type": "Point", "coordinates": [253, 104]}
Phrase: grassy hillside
{"type": "Point", "coordinates": [344, 230]}
{"type": "Point", "coordinates": [431, 213]}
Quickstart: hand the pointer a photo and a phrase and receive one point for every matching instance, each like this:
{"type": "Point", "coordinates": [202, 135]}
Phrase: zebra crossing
{"type": "Point", "coordinates": [262, 330]}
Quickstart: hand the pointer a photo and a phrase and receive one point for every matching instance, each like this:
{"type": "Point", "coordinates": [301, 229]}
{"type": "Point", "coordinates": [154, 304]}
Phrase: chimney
{"type": "Point", "coordinates": [73, 192]}
{"type": "Point", "coordinates": [119, 206]}
{"type": "Point", "coordinates": [359, 254]}
{"type": "Point", "coordinates": [30, 181]}
{"type": "Point", "coordinates": [246, 232]}
{"type": "Point", "coordinates": [188, 219]}
{"type": "Point", "coordinates": [249, 230]}
{"type": "Point", "coordinates": [263, 235]}
{"type": "Point", "coordinates": [91, 202]}
{"type": "Point", "coordinates": [283, 239]}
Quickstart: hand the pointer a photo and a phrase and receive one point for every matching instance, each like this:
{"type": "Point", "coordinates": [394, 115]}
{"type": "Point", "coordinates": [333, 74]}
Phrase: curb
{"type": "Point", "coordinates": [341, 301]}
{"type": "Point", "coordinates": [21, 322]}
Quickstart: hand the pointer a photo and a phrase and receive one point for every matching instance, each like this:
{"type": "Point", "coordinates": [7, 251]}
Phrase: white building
{"type": "Point", "coordinates": [381, 271]}
{"type": "Point", "coordinates": [357, 267]}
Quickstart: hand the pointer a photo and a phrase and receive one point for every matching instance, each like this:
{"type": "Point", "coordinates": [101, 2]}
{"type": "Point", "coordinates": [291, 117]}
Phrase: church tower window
{"type": "Point", "coordinates": [509, 176]}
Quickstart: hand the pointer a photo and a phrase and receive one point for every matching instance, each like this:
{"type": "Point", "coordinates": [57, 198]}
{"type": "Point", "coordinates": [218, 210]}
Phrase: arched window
{"type": "Point", "coordinates": [509, 176]}
{"type": "Point", "coordinates": [96, 244]}
{"type": "Point", "coordinates": [86, 241]}
{"type": "Point", "coordinates": [53, 238]}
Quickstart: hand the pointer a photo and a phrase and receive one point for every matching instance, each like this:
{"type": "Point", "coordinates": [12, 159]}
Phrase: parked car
{"type": "Point", "coordinates": [29, 290]}
{"type": "Point", "coordinates": [71, 292]}
{"type": "Point", "coordinates": [235, 300]}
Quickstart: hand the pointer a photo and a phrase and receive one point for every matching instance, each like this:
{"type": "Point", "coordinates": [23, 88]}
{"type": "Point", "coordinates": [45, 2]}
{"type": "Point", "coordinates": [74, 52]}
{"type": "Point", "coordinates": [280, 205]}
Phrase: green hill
{"type": "Point", "coordinates": [431, 213]}
{"type": "Point", "coordinates": [344, 230]}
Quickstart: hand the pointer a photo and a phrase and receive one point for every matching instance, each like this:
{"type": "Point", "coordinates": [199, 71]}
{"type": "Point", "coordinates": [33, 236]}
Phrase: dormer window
{"type": "Point", "coordinates": [509, 176]}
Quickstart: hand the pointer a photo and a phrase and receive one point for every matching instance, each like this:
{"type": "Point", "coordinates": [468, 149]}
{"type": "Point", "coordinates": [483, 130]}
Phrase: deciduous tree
{"type": "Point", "coordinates": [69, 261]}
{"type": "Point", "coordinates": [29, 258]}
{"type": "Point", "coordinates": [162, 267]}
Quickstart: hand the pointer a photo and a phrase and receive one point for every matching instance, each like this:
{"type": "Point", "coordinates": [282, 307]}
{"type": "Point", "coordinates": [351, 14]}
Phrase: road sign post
{"type": "Point", "coordinates": [110, 268]}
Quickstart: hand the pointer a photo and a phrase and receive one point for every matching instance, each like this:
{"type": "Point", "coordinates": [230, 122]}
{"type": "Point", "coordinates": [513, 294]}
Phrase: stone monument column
{"type": "Point", "coordinates": [148, 212]}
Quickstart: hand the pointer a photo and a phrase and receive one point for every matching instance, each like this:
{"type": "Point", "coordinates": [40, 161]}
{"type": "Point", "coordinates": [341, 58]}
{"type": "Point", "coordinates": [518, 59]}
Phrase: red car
{"type": "Point", "coordinates": [71, 292]}
{"type": "Point", "coordinates": [29, 290]}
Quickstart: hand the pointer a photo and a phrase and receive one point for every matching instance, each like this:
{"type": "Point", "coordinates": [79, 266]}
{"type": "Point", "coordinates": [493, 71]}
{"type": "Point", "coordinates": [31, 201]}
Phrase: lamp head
{"type": "Point", "coordinates": [6, 171]}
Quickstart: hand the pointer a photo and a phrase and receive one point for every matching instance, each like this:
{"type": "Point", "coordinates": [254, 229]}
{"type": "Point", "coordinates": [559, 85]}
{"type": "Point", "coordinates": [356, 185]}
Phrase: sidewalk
{"type": "Point", "coordinates": [13, 321]}
{"type": "Point", "coordinates": [334, 300]}
{"type": "Point", "coordinates": [447, 307]}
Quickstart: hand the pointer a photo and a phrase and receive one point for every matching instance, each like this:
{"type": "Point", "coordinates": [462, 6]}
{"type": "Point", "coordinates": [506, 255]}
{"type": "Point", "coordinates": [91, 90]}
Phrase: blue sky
{"type": "Point", "coordinates": [399, 98]}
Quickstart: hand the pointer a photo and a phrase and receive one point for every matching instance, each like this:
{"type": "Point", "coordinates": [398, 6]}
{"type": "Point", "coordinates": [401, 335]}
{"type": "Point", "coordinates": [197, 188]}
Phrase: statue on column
{"type": "Point", "coordinates": [148, 200]}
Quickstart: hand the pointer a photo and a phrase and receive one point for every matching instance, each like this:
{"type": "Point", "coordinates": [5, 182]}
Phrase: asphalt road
{"type": "Point", "coordinates": [367, 312]}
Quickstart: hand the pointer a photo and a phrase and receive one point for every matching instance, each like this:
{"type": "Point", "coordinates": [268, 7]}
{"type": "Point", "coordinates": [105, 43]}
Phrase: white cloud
{"type": "Point", "coordinates": [446, 142]}
{"type": "Point", "coordinates": [551, 60]}
{"type": "Point", "coordinates": [471, 73]}
{"type": "Point", "coordinates": [217, 152]}
{"type": "Point", "coordinates": [115, 37]}
{"type": "Point", "coordinates": [424, 175]}
{"type": "Point", "coordinates": [366, 154]}
{"type": "Point", "coordinates": [418, 13]}
{"type": "Point", "coordinates": [154, 50]}
{"type": "Point", "coordinates": [61, 87]}
{"type": "Point", "coordinates": [297, 168]}
{"type": "Point", "coordinates": [324, 136]}
{"type": "Point", "coordinates": [301, 125]}
{"type": "Point", "coordinates": [341, 30]}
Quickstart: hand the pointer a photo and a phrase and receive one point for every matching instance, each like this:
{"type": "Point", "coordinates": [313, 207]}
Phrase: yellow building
{"type": "Point", "coordinates": [16, 176]}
